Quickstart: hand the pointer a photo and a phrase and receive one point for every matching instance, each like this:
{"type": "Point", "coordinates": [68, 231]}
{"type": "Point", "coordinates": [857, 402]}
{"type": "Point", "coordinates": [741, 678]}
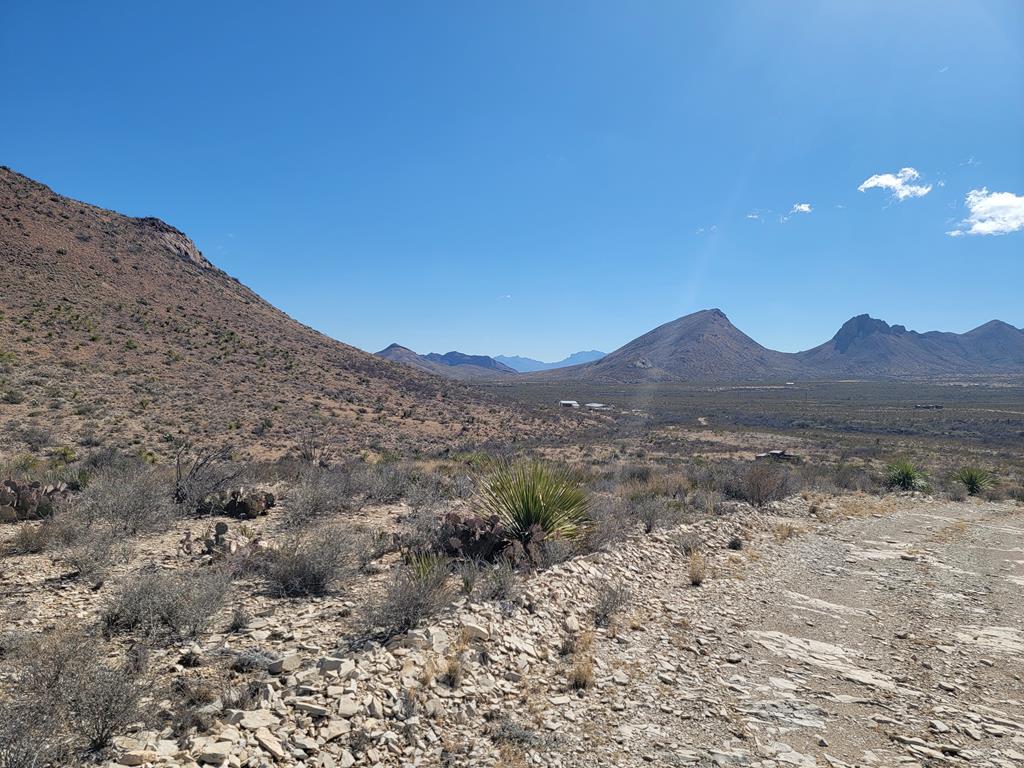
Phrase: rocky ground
{"type": "Point", "coordinates": [849, 631]}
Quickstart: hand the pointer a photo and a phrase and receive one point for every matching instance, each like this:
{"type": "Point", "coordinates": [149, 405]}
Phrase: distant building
{"type": "Point", "coordinates": [782, 455]}
{"type": "Point", "coordinates": [568, 404]}
{"type": "Point", "coordinates": [597, 406]}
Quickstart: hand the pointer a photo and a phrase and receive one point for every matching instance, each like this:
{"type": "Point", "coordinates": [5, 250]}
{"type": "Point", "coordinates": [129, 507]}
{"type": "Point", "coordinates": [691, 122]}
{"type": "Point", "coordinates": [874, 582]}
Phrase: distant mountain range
{"type": "Point", "coordinates": [452, 365]}
{"type": "Point", "coordinates": [529, 365]}
{"type": "Point", "coordinates": [706, 346]}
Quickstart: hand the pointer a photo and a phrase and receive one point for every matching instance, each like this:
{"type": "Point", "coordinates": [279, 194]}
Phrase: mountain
{"type": "Point", "coordinates": [118, 331]}
{"type": "Point", "coordinates": [529, 365]}
{"type": "Point", "coordinates": [455, 359]}
{"type": "Point", "coordinates": [706, 347]}
{"type": "Point", "coordinates": [868, 347]}
{"type": "Point", "coordinates": [703, 346]}
{"type": "Point", "coordinates": [452, 365]}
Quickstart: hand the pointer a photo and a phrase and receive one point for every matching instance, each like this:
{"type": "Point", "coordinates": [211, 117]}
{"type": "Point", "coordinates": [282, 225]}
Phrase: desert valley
{"type": "Point", "coordinates": [512, 385]}
{"type": "Point", "coordinates": [230, 540]}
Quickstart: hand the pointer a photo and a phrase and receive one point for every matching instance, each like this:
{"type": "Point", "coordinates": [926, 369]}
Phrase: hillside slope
{"type": "Point", "coordinates": [117, 330]}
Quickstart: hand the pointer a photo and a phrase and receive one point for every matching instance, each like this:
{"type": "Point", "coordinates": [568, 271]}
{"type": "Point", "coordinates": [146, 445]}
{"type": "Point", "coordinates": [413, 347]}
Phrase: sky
{"type": "Point", "coordinates": [537, 178]}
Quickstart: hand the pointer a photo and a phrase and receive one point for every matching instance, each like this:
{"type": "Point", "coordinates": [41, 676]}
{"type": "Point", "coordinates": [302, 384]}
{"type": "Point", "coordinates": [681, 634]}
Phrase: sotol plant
{"type": "Point", "coordinates": [904, 475]}
{"type": "Point", "coordinates": [534, 501]}
{"type": "Point", "coordinates": [973, 479]}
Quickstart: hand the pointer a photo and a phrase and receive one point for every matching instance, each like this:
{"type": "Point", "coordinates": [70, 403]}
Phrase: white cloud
{"type": "Point", "coordinates": [797, 208]}
{"type": "Point", "coordinates": [899, 184]}
{"type": "Point", "coordinates": [991, 213]}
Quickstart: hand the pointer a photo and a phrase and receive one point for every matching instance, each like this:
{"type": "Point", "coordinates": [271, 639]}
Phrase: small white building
{"type": "Point", "coordinates": [597, 406]}
{"type": "Point", "coordinates": [568, 404]}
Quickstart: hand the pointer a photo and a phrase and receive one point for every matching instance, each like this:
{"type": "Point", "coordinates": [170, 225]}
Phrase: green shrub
{"type": "Point", "coordinates": [902, 474]}
{"type": "Point", "coordinates": [534, 501]}
{"type": "Point", "coordinates": [973, 479]}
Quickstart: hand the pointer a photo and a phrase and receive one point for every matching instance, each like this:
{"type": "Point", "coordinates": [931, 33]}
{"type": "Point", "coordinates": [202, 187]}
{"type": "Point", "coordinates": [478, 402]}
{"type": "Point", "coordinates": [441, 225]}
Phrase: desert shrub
{"type": "Point", "coordinates": [199, 473]}
{"type": "Point", "coordinates": [28, 737]}
{"type": "Point", "coordinates": [132, 498]}
{"type": "Point", "coordinates": [500, 582]}
{"type": "Point", "coordinates": [973, 479]}
{"type": "Point", "coordinates": [903, 475]}
{"type": "Point", "coordinates": [418, 591]}
{"type": "Point", "coordinates": [611, 598]}
{"type": "Point", "coordinates": [35, 437]}
{"type": "Point", "coordinates": [735, 543]}
{"type": "Point", "coordinates": [656, 512]}
{"type": "Point", "coordinates": [65, 697]}
{"type": "Point", "coordinates": [104, 704]}
{"type": "Point", "coordinates": [312, 563]}
{"type": "Point", "coordinates": [91, 550]}
{"type": "Point", "coordinates": [697, 568]}
{"type": "Point", "coordinates": [169, 605]}
{"type": "Point", "coordinates": [426, 490]}
{"type": "Point", "coordinates": [31, 538]}
{"type": "Point", "coordinates": [534, 501]}
{"type": "Point", "coordinates": [581, 674]}
{"type": "Point", "coordinates": [853, 478]}
{"type": "Point", "coordinates": [610, 521]}
{"type": "Point", "coordinates": [758, 484]}
{"type": "Point", "coordinates": [384, 483]}
{"type": "Point", "coordinates": [319, 493]}
{"type": "Point", "coordinates": [372, 545]}
{"type": "Point", "coordinates": [422, 531]}
{"type": "Point", "coordinates": [687, 542]}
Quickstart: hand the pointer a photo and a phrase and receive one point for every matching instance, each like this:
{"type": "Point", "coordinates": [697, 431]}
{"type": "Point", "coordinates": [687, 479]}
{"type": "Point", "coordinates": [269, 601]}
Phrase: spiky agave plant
{"type": "Point", "coordinates": [530, 497]}
{"type": "Point", "coordinates": [973, 479]}
{"type": "Point", "coordinates": [904, 475]}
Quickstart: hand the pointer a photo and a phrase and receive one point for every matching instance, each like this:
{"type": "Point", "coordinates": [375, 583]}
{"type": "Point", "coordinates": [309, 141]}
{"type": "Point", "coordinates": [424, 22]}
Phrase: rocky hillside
{"type": "Point", "coordinates": [117, 330]}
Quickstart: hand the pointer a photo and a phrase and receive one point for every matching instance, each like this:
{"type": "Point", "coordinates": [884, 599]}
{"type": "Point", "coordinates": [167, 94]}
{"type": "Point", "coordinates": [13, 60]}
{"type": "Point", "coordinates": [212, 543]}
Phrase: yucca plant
{"type": "Point", "coordinates": [973, 479]}
{"type": "Point", "coordinates": [534, 501]}
{"type": "Point", "coordinates": [904, 475]}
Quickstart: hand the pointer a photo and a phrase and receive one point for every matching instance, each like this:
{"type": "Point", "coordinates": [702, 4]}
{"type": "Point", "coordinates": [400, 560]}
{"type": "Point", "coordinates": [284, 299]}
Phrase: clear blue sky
{"type": "Point", "coordinates": [540, 177]}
